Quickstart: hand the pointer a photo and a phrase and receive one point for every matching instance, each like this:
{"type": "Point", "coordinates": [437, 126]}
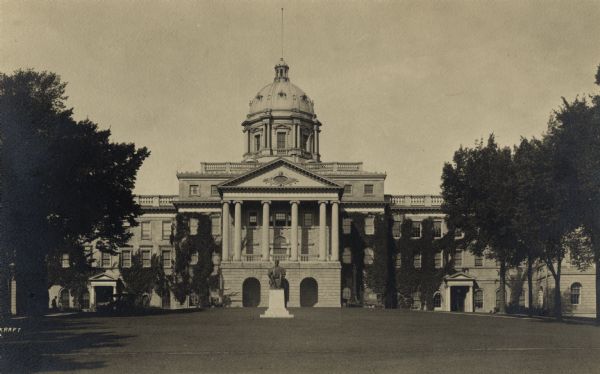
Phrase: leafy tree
{"type": "Point", "coordinates": [539, 219]}
{"type": "Point", "coordinates": [63, 182]}
{"type": "Point", "coordinates": [478, 190]}
{"type": "Point", "coordinates": [574, 135]}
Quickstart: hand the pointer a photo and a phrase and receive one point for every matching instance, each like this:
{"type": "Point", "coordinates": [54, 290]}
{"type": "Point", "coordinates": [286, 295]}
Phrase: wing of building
{"type": "Point", "coordinates": [325, 222]}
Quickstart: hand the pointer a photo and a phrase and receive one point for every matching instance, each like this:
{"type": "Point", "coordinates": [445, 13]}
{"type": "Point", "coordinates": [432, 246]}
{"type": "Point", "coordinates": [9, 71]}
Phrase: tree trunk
{"type": "Point", "coordinates": [557, 295]}
{"type": "Point", "coordinates": [502, 306]}
{"type": "Point", "coordinates": [530, 286]}
{"type": "Point", "coordinates": [597, 271]}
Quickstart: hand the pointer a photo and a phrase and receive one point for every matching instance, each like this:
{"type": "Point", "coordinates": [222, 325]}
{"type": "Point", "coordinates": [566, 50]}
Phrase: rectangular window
{"type": "Point", "coordinates": [214, 191]}
{"type": "Point", "coordinates": [478, 260]}
{"type": "Point", "coordinates": [348, 189]}
{"type": "Point", "coordinates": [280, 219]}
{"type": "Point", "coordinates": [458, 259]}
{"type": "Point", "coordinates": [105, 259]}
{"type": "Point", "coordinates": [146, 258]}
{"type": "Point", "coordinates": [65, 260]}
{"type": "Point", "coordinates": [281, 140]}
{"type": "Point", "coordinates": [166, 230]}
{"type": "Point", "coordinates": [370, 225]}
{"type": "Point", "coordinates": [146, 230]}
{"type": "Point", "coordinates": [437, 229]}
{"type": "Point", "coordinates": [256, 143]}
{"type": "Point", "coordinates": [126, 258]}
{"type": "Point", "coordinates": [215, 225]}
{"type": "Point", "coordinates": [347, 225]}
{"type": "Point", "coordinates": [368, 189]}
{"type": "Point", "coordinates": [193, 226]}
{"type": "Point", "coordinates": [305, 142]}
{"type": "Point", "coordinates": [398, 260]}
{"type": "Point", "coordinates": [252, 219]}
{"type": "Point", "coordinates": [308, 220]}
{"type": "Point", "coordinates": [415, 230]}
{"type": "Point", "coordinates": [438, 260]}
{"type": "Point", "coordinates": [479, 298]}
{"type": "Point", "coordinates": [194, 258]}
{"type": "Point", "coordinates": [194, 190]}
{"type": "Point", "coordinates": [166, 258]}
{"type": "Point", "coordinates": [417, 261]}
{"type": "Point", "coordinates": [397, 229]}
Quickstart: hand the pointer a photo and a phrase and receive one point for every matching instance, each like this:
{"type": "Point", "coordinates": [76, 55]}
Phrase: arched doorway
{"type": "Point", "coordinates": [309, 292]}
{"type": "Point", "coordinates": [251, 293]}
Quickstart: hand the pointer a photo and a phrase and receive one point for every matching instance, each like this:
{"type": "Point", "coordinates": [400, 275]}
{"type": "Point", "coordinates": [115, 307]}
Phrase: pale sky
{"type": "Point", "coordinates": [399, 85]}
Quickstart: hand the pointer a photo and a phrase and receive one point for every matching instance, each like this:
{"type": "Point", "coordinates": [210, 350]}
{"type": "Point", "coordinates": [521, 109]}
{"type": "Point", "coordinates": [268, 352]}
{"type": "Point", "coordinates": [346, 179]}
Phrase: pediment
{"type": "Point", "coordinates": [459, 276]}
{"type": "Point", "coordinates": [103, 277]}
{"type": "Point", "coordinates": [280, 174]}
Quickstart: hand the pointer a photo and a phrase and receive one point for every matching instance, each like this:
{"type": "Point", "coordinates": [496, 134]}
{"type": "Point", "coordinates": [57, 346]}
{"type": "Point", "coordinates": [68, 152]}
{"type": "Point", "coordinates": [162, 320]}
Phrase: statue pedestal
{"type": "Point", "coordinates": [276, 306]}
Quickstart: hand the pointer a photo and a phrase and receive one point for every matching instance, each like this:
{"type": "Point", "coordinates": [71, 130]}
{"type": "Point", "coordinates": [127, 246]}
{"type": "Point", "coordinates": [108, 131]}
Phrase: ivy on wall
{"type": "Point", "coordinates": [140, 280]}
{"type": "Point", "coordinates": [187, 278]}
{"type": "Point", "coordinates": [426, 279]}
{"type": "Point", "coordinates": [376, 273]}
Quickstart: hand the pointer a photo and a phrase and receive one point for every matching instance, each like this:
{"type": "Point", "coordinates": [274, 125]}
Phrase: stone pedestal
{"type": "Point", "coordinates": [276, 306]}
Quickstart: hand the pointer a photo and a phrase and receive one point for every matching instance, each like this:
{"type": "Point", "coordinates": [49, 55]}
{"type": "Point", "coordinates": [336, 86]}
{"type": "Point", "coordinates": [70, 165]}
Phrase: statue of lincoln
{"type": "Point", "coordinates": [276, 276]}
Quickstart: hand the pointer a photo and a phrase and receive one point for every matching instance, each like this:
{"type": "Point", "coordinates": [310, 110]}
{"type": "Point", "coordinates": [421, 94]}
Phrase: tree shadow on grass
{"type": "Point", "coordinates": [53, 344]}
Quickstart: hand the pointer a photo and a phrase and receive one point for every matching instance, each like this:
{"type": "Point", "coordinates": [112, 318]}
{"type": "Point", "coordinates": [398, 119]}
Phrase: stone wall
{"type": "Point", "coordinates": [327, 275]}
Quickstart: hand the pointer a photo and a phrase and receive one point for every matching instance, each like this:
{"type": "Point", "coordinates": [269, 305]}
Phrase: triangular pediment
{"type": "Point", "coordinates": [107, 277]}
{"type": "Point", "coordinates": [280, 174]}
{"type": "Point", "coordinates": [459, 276]}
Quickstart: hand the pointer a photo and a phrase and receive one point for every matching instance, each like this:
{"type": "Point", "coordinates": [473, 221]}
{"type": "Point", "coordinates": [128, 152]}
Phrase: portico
{"type": "Point", "coordinates": [286, 220]}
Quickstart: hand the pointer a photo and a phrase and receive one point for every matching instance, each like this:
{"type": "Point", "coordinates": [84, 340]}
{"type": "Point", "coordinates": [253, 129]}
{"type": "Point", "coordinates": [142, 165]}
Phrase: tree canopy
{"type": "Point", "coordinates": [64, 183]}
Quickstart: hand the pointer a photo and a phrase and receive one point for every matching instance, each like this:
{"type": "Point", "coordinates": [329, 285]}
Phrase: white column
{"type": "Point", "coordinates": [264, 242]}
{"type": "Point", "coordinates": [469, 303]}
{"type": "Point", "coordinates": [323, 230]}
{"type": "Point", "coordinates": [265, 137]}
{"type": "Point", "coordinates": [13, 296]}
{"type": "Point", "coordinates": [294, 236]}
{"type": "Point", "coordinates": [225, 231]}
{"type": "Point", "coordinates": [335, 231]}
{"type": "Point", "coordinates": [237, 239]}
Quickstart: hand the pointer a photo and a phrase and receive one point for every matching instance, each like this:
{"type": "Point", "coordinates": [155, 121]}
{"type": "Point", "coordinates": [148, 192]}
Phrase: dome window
{"type": "Point", "coordinates": [259, 97]}
{"type": "Point", "coordinates": [282, 94]}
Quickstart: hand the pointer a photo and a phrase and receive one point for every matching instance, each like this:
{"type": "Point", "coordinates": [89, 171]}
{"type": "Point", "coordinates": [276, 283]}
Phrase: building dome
{"type": "Point", "coordinates": [281, 95]}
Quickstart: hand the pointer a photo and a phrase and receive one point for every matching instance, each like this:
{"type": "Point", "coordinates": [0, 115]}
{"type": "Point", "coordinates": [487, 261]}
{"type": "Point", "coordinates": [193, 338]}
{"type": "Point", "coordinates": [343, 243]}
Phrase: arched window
{"type": "Point", "coordinates": [437, 300]}
{"type": "Point", "coordinates": [478, 298]}
{"type": "Point", "coordinates": [498, 298]}
{"type": "Point", "coordinates": [575, 293]}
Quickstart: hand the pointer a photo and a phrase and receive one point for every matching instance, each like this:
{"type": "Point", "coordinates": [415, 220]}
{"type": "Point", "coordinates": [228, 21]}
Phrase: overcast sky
{"type": "Point", "coordinates": [398, 85]}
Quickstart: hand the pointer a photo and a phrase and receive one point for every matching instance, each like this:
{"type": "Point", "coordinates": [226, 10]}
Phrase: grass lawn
{"type": "Point", "coordinates": [316, 340]}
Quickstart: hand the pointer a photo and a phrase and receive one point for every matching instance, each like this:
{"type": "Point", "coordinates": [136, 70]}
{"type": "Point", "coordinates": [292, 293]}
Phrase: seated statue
{"type": "Point", "coordinates": [276, 276]}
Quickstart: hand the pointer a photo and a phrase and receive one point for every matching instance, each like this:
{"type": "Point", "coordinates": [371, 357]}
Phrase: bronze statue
{"type": "Point", "coordinates": [276, 276]}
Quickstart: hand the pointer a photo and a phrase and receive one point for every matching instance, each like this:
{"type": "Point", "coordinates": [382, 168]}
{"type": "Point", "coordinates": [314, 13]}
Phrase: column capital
{"type": "Point", "coordinates": [295, 202]}
{"type": "Point", "coordinates": [226, 201]}
{"type": "Point", "coordinates": [334, 201]}
{"type": "Point", "coordinates": [265, 202]}
{"type": "Point", "coordinates": [238, 202]}
{"type": "Point", "coordinates": [323, 201]}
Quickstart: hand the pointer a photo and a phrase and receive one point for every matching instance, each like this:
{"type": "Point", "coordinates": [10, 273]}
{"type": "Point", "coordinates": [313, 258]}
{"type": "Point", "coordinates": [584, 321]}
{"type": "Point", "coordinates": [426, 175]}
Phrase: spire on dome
{"type": "Point", "coordinates": [281, 71]}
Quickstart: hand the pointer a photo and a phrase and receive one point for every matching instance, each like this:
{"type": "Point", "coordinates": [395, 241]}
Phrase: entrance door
{"type": "Point", "coordinates": [309, 292]}
{"type": "Point", "coordinates": [458, 295]}
{"type": "Point", "coordinates": [251, 293]}
{"type": "Point", "coordinates": [103, 294]}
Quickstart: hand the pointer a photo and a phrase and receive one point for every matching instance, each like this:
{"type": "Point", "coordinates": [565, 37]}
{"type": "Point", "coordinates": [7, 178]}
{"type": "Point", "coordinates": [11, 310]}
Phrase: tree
{"type": "Point", "coordinates": [140, 280]}
{"type": "Point", "coordinates": [478, 191]}
{"type": "Point", "coordinates": [64, 183]}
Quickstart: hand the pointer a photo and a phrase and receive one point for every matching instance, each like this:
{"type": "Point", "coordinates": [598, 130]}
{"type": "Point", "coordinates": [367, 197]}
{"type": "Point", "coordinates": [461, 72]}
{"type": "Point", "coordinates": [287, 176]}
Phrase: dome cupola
{"type": "Point", "coordinates": [281, 121]}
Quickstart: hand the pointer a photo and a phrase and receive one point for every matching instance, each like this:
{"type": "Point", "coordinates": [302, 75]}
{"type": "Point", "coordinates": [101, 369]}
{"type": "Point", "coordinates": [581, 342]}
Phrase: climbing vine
{"type": "Point", "coordinates": [187, 278]}
{"type": "Point", "coordinates": [426, 279]}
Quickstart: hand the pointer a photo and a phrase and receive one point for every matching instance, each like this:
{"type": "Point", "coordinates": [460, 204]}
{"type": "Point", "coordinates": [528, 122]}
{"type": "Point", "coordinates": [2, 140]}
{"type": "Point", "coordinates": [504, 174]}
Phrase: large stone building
{"type": "Point", "coordinates": [282, 202]}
